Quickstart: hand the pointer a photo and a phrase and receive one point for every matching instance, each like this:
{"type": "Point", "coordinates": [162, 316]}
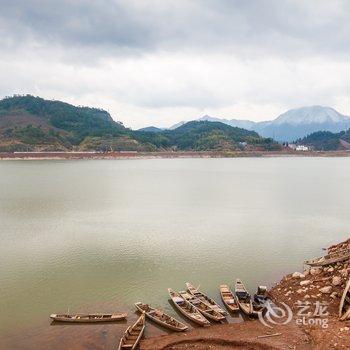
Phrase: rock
{"type": "Point", "coordinates": [326, 290]}
{"type": "Point", "coordinates": [305, 283]}
{"type": "Point", "coordinates": [315, 271]}
{"type": "Point", "coordinates": [306, 272]}
{"type": "Point", "coordinates": [336, 281]}
{"type": "Point", "coordinates": [288, 293]}
{"type": "Point", "coordinates": [299, 291]}
{"type": "Point", "coordinates": [344, 273]}
{"type": "Point", "coordinates": [298, 275]}
{"type": "Point", "coordinates": [331, 269]}
{"type": "Point", "coordinates": [307, 296]}
{"type": "Point", "coordinates": [334, 295]}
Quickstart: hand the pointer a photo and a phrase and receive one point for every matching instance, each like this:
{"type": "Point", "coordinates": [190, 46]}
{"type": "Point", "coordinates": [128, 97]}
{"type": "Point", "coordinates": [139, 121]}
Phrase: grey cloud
{"type": "Point", "coordinates": [255, 27]}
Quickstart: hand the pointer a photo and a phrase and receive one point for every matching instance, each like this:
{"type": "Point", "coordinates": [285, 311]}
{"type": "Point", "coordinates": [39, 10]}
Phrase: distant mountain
{"type": "Point", "coordinates": [298, 123]}
{"type": "Point", "coordinates": [293, 124]}
{"type": "Point", "coordinates": [245, 124]}
{"type": "Point", "coordinates": [311, 115]}
{"type": "Point", "coordinates": [205, 135]}
{"type": "Point", "coordinates": [175, 126]}
{"type": "Point", "coordinates": [151, 129]}
{"type": "Point", "coordinates": [29, 123]}
{"type": "Point", "coordinates": [327, 141]}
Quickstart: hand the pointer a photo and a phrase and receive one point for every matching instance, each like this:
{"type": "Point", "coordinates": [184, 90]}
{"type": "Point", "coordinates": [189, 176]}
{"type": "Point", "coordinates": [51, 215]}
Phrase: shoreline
{"type": "Point", "coordinates": [166, 155]}
{"type": "Point", "coordinates": [306, 287]}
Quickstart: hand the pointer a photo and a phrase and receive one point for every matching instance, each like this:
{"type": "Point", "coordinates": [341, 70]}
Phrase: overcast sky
{"type": "Point", "coordinates": [157, 62]}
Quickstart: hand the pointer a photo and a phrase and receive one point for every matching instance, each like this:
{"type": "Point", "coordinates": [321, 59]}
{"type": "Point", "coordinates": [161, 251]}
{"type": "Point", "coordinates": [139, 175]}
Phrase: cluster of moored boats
{"type": "Point", "coordinates": [192, 303]}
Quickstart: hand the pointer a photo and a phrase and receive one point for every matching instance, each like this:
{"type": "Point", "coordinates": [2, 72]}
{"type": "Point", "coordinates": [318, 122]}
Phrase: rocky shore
{"type": "Point", "coordinates": [312, 295]}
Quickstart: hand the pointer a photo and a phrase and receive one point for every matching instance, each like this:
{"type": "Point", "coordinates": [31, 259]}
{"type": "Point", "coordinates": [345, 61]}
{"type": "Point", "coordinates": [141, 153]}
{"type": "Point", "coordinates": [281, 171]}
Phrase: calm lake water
{"type": "Point", "coordinates": [100, 235]}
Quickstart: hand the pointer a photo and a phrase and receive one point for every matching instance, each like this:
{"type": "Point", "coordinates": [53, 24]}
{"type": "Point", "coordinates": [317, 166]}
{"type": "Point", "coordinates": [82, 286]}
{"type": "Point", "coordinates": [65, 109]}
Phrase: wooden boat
{"type": "Point", "coordinates": [88, 318]}
{"type": "Point", "coordinates": [329, 258]}
{"type": "Point", "coordinates": [245, 300]}
{"type": "Point", "coordinates": [205, 299]}
{"type": "Point", "coordinates": [344, 307]}
{"type": "Point", "coordinates": [228, 298]}
{"type": "Point", "coordinates": [133, 334]}
{"type": "Point", "coordinates": [260, 297]}
{"type": "Point", "coordinates": [203, 308]}
{"type": "Point", "coordinates": [187, 309]}
{"type": "Point", "coordinates": [161, 317]}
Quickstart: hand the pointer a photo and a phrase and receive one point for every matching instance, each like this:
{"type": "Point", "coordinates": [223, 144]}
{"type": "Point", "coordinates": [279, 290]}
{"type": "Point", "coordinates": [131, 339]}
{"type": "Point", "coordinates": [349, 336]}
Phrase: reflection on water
{"type": "Point", "coordinates": [92, 235]}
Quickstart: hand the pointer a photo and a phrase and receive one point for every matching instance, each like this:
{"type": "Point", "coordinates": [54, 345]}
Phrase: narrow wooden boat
{"type": "Point", "coordinates": [260, 297]}
{"type": "Point", "coordinates": [88, 318]}
{"type": "Point", "coordinates": [329, 258]}
{"type": "Point", "coordinates": [344, 306]}
{"type": "Point", "coordinates": [228, 298]}
{"type": "Point", "coordinates": [187, 309]}
{"type": "Point", "coordinates": [161, 317]}
{"type": "Point", "coordinates": [133, 334]}
{"type": "Point", "coordinates": [245, 300]}
{"type": "Point", "coordinates": [205, 299]}
{"type": "Point", "coordinates": [203, 308]}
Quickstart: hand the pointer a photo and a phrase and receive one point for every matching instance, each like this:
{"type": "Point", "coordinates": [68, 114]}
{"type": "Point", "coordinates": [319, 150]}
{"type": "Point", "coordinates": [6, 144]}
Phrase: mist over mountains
{"type": "Point", "coordinates": [291, 125]}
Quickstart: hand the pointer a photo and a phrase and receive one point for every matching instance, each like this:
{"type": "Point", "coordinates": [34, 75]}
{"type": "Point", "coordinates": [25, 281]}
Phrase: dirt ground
{"type": "Point", "coordinates": [233, 336]}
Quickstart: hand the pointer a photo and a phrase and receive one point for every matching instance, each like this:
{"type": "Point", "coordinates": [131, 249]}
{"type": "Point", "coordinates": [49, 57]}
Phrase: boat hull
{"type": "Point", "coordinates": [88, 318]}
{"type": "Point", "coordinates": [199, 305]}
{"type": "Point", "coordinates": [328, 261]}
{"type": "Point", "coordinates": [201, 321]}
{"type": "Point", "coordinates": [344, 306]}
{"type": "Point", "coordinates": [246, 306]}
{"type": "Point", "coordinates": [211, 303]}
{"type": "Point", "coordinates": [138, 327]}
{"type": "Point", "coordinates": [226, 295]}
{"type": "Point", "coordinates": [163, 324]}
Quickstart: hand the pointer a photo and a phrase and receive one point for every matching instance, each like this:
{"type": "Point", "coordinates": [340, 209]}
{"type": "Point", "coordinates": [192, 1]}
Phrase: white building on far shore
{"type": "Point", "coordinates": [295, 147]}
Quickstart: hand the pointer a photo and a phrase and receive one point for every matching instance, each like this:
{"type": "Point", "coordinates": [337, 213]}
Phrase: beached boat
{"type": "Point", "coordinates": [206, 300]}
{"type": "Point", "coordinates": [133, 334]}
{"type": "Point", "coordinates": [88, 318]}
{"type": "Point", "coordinates": [260, 297]}
{"type": "Point", "coordinates": [329, 258]}
{"type": "Point", "coordinates": [228, 298]}
{"type": "Point", "coordinates": [203, 308]}
{"type": "Point", "coordinates": [161, 317]}
{"type": "Point", "coordinates": [344, 306]}
{"type": "Point", "coordinates": [245, 300]}
{"type": "Point", "coordinates": [187, 309]}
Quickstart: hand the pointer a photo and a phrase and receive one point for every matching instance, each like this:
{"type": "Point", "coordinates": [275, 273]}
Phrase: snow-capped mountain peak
{"type": "Point", "coordinates": [311, 115]}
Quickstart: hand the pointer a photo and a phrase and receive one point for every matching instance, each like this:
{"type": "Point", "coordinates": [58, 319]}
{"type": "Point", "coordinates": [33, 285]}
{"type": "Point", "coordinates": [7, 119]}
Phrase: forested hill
{"type": "Point", "coordinates": [29, 123]}
{"type": "Point", "coordinates": [204, 135]}
{"type": "Point", "coordinates": [327, 141]}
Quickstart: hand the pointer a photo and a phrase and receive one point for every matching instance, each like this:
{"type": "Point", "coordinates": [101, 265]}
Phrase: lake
{"type": "Point", "coordinates": [99, 235]}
